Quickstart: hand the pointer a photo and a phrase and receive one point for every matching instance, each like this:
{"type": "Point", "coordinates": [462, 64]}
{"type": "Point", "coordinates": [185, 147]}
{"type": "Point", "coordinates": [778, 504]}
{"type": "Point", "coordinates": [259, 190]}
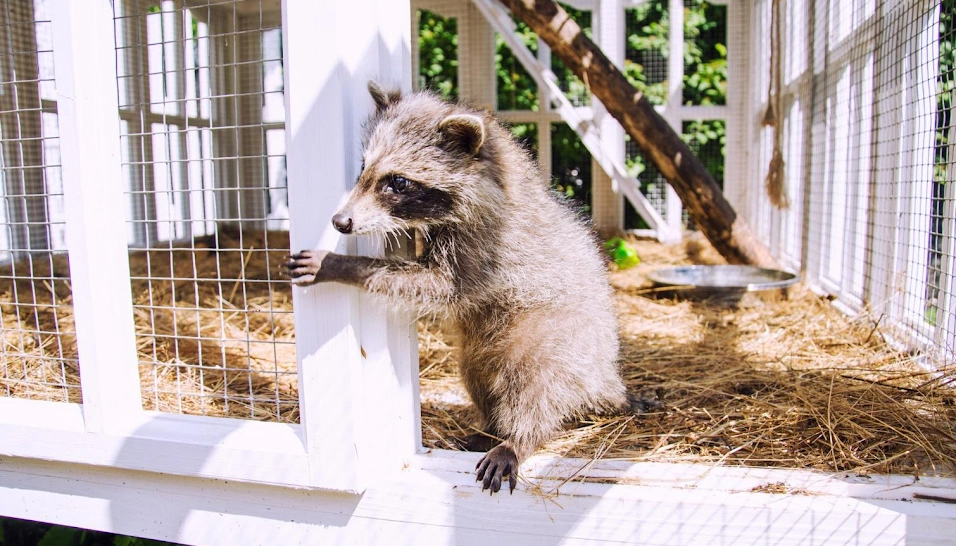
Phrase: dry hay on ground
{"type": "Point", "coordinates": [214, 330]}
{"type": "Point", "coordinates": [786, 383]}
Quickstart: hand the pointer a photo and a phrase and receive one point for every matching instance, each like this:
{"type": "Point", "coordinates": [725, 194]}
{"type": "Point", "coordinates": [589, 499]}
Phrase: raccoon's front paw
{"type": "Point", "coordinates": [303, 268]}
{"type": "Point", "coordinates": [498, 464]}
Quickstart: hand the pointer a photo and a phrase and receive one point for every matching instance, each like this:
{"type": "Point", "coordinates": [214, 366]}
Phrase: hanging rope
{"type": "Point", "coordinates": [773, 117]}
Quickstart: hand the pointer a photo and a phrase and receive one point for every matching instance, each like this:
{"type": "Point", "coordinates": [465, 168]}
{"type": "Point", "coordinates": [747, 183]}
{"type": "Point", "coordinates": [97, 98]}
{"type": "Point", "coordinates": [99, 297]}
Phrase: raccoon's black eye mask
{"type": "Point", "coordinates": [408, 199]}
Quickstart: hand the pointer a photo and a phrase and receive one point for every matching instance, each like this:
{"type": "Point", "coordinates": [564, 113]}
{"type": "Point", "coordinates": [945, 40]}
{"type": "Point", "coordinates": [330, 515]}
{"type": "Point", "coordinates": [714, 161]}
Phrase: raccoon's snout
{"type": "Point", "coordinates": [342, 223]}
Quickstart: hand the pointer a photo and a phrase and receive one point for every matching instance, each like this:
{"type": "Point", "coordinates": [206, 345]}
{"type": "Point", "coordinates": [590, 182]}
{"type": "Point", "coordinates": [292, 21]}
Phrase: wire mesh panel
{"type": "Point", "coordinates": [38, 355]}
{"type": "Point", "coordinates": [203, 138]}
{"type": "Point", "coordinates": [864, 127]}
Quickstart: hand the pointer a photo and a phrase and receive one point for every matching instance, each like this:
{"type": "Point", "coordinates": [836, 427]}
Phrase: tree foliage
{"type": "Point", "coordinates": [438, 54]}
{"type": "Point", "coordinates": [18, 532]}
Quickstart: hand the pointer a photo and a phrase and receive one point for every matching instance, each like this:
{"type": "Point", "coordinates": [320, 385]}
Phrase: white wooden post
{"type": "Point", "coordinates": [945, 337]}
{"type": "Point", "coordinates": [253, 181]}
{"type": "Point", "coordinates": [916, 162]}
{"type": "Point", "coordinates": [741, 124]}
{"type": "Point", "coordinates": [476, 58]}
{"type": "Point", "coordinates": [85, 59]}
{"type": "Point", "coordinates": [675, 99]}
{"type": "Point", "coordinates": [545, 164]}
{"type": "Point", "coordinates": [606, 200]}
{"type": "Point", "coordinates": [881, 244]}
{"type": "Point", "coordinates": [356, 390]}
{"type": "Point", "coordinates": [224, 59]}
{"type": "Point", "coordinates": [134, 95]}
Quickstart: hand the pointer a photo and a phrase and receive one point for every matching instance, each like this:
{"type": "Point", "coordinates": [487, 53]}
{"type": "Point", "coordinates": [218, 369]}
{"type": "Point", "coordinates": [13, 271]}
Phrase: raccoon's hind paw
{"type": "Point", "coordinates": [498, 464]}
{"type": "Point", "coordinates": [645, 402]}
{"type": "Point", "coordinates": [303, 268]}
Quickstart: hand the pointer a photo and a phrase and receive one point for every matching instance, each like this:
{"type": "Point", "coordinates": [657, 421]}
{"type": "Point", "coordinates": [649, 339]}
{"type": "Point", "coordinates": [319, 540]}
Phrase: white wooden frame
{"type": "Point", "coordinates": [106, 464]}
{"type": "Point", "coordinates": [341, 444]}
{"type": "Point", "coordinates": [435, 501]}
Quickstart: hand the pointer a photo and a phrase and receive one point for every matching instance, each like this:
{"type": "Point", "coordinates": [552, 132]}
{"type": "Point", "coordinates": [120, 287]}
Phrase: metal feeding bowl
{"type": "Point", "coordinates": [722, 279]}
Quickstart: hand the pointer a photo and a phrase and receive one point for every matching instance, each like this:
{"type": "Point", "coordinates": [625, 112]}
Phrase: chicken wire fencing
{"type": "Point", "coordinates": [203, 141]}
{"type": "Point", "coordinates": [200, 87]}
{"type": "Point", "coordinates": [38, 355]}
{"type": "Point", "coordinates": [866, 131]}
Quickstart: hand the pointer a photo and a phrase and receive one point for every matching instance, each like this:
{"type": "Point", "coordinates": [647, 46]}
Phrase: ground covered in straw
{"type": "Point", "coordinates": [770, 381]}
{"type": "Point", "coordinates": [780, 381]}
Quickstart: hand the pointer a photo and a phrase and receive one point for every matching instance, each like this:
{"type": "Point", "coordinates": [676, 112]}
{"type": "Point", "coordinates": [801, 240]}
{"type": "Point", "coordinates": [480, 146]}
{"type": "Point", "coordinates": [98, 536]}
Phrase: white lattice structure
{"type": "Point", "coordinates": [144, 128]}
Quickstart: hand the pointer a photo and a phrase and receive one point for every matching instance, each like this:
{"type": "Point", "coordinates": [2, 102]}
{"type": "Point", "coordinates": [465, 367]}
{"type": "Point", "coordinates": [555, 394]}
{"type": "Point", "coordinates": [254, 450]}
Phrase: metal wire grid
{"type": "Point", "coordinates": [204, 150]}
{"type": "Point", "coordinates": [867, 125]}
{"type": "Point", "coordinates": [38, 355]}
{"type": "Point", "coordinates": [647, 67]}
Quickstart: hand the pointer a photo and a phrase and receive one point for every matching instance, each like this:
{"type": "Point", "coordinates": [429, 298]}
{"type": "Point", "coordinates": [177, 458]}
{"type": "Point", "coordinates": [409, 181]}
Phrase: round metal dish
{"type": "Point", "coordinates": [733, 278]}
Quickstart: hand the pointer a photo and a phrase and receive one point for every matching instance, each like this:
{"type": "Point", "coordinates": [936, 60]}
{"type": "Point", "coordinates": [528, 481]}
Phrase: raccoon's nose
{"type": "Point", "coordinates": [342, 223]}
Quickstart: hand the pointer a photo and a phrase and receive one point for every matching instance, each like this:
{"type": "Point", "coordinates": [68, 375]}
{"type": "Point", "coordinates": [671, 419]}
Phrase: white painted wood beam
{"type": "Point", "coordinates": [88, 112]}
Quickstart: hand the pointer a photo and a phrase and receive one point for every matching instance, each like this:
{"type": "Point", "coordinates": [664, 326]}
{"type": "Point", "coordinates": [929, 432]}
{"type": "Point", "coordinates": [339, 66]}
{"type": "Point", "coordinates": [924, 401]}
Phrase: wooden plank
{"type": "Point", "coordinates": [673, 208]}
{"type": "Point", "coordinates": [742, 133]}
{"type": "Point", "coordinates": [388, 335]}
{"type": "Point", "coordinates": [85, 60]}
{"type": "Point", "coordinates": [919, 65]}
{"type": "Point", "coordinates": [946, 303]}
{"type": "Point", "coordinates": [253, 180]}
{"type": "Point", "coordinates": [326, 101]}
{"type": "Point", "coordinates": [131, 30]}
{"type": "Point", "coordinates": [607, 201]}
{"type": "Point", "coordinates": [444, 506]}
{"type": "Point", "coordinates": [476, 58]}
{"type": "Point", "coordinates": [545, 150]}
{"type": "Point", "coordinates": [230, 449]}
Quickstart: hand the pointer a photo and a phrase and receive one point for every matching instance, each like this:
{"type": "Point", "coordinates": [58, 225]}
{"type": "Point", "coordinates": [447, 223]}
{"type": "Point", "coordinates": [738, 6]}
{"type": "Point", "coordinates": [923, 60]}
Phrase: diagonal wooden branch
{"type": "Point", "coordinates": [729, 233]}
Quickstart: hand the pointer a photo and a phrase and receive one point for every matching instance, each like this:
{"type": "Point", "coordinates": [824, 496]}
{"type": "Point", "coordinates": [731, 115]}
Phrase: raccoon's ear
{"type": "Point", "coordinates": [383, 99]}
{"type": "Point", "coordinates": [464, 131]}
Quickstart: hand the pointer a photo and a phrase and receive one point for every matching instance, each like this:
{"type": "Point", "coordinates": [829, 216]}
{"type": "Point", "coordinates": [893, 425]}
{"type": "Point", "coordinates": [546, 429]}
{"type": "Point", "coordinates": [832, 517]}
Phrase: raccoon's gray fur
{"type": "Point", "coordinates": [516, 270]}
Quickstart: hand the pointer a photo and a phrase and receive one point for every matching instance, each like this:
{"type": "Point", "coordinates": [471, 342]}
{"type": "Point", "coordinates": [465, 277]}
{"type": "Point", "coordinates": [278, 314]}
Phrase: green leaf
{"type": "Point", "coordinates": [62, 536]}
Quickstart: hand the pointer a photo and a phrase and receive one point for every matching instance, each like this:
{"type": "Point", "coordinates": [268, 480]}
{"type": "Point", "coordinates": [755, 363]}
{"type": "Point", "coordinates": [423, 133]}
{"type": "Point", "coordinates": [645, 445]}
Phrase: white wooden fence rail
{"type": "Point", "coordinates": [357, 368]}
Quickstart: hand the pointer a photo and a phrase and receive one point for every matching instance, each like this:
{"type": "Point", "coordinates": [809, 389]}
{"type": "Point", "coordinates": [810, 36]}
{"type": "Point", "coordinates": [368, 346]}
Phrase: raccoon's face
{"type": "Point", "coordinates": [408, 178]}
{"type": "Point", "coordinates": [390, 202]}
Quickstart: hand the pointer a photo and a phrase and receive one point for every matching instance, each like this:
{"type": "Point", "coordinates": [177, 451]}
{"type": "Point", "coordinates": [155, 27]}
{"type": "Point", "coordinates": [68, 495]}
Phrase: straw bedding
{"type": "Point", "coordinates": [782, 381]}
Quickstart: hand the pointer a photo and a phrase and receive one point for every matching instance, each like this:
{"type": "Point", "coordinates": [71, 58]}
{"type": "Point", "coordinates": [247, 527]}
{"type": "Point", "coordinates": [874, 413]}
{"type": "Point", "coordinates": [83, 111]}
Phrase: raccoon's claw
{"type": "Point", "coordinates": [498, 464]}
{"type": "Point", "coordinates": [303, 267]}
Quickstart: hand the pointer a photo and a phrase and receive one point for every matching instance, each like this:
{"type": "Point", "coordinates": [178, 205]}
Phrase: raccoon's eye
{"type": "Point", "coordinates": [397, 184]}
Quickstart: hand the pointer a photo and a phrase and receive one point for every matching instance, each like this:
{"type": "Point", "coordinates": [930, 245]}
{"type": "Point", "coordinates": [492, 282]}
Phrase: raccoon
{"type": "Point", "coordinates": [515, 269]}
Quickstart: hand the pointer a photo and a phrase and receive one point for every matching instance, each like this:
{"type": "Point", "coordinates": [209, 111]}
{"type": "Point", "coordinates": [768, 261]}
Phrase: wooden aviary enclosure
{"type": "Point", "coordinates": [159, 158]}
